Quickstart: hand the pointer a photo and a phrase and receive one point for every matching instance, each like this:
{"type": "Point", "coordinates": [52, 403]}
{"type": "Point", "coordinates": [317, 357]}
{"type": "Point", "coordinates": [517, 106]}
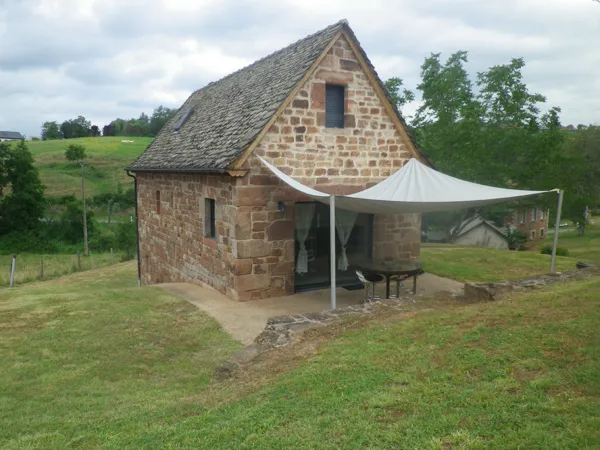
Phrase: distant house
{"type": "Point", "coordinates": [10, 136]}
{"type": "Point", "coordinates": [531, 221]}
{"type": "Point", "coordinates": [479, 232]}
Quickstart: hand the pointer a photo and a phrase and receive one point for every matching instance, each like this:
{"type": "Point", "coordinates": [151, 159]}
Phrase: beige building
{"type": "Point", "coordinates": [210, 212]}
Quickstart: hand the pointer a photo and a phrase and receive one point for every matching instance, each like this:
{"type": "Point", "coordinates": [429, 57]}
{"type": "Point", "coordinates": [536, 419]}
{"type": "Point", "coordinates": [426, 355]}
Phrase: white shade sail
{"type": "Point", "coordinates": [415, 188]}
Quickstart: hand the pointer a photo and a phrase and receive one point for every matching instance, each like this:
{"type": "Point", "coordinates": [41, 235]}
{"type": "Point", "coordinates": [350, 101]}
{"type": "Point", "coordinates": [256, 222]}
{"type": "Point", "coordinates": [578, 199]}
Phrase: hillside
{"type": "Point", "coordinates": [90, 360]}
{"type": "Point", "coordinates": [107, 157]}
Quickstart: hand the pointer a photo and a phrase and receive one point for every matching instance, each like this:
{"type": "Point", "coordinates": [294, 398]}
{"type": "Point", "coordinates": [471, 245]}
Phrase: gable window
{"type": "Point", "coordinates": [522, 216]}
{"type": "Point", "coordinates": [534, 214]}
{"type": "Point", "coordinates": [334, 106]}
{"type": "Point", "coordinates": [157, 202]}
{"type": "Point", "coordinates": [210, 229]}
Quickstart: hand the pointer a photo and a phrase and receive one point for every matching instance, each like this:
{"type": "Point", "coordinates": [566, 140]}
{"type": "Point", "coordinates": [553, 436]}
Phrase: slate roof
{"type": "Point", "coordinates": [10, 135]}
{"type": "Point", "coordinates": [228, 114]}
{"type": "Point", "coordinates": [474, 222]}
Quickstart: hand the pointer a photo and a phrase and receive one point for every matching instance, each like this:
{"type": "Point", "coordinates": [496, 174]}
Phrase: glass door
{"type": "Point", "coordinates": [354, 242]}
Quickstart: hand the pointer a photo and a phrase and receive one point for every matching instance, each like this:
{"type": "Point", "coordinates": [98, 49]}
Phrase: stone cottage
{"type": "Point", "coordinates": [210, 212]}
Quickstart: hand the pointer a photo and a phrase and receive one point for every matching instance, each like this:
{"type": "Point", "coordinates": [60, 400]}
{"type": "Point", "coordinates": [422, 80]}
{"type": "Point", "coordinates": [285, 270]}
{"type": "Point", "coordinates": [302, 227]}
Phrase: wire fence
{"type": "Point", "coordinates": [29, 267]}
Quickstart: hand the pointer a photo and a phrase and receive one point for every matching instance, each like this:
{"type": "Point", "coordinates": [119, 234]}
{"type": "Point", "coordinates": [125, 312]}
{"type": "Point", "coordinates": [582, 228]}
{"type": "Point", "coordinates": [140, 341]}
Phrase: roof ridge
{"type": "Point", "coordinates": [339, 24]}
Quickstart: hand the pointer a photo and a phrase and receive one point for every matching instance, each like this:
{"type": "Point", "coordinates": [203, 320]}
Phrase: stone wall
{"type": "Point", "coordinates": [172, 243]}
{"type": "Point", "coordinates": [396, 236]}
{"type": "Point", "coordinates": [485, 292]}
{"type": "Point", "coordinates": [366, 150]}
{"type": "Point", "coordinates": [334, 160]}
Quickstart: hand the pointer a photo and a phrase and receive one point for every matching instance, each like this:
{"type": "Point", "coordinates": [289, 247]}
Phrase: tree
{"type": "Point", "coordinates": [22, 202]}
{"type": "Point", "coordinates": [75, 128]}
{"type": "Point", "coordinates": [108, 130]}
{"type": "Point", "coordinates": [160, 117]}
{"type": "Point", "coordinates": [493, 131]}
{"type": "Point", "coordinates": [72, 221]}
{"type": "Point", "coordinates": [399, 98]}
{"type": "Point", "coordinates": [75, 152]}
{"type": "Point", "coordinates": [50, 130]}
{"type": "Point", "coordinates": [95, 131]}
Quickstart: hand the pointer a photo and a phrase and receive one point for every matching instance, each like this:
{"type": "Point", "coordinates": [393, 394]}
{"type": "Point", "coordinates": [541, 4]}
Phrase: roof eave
{"type": "Point", "coordinates": [233, 173]}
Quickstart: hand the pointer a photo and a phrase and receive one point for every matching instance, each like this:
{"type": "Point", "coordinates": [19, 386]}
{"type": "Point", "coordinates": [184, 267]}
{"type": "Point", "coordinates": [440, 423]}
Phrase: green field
{"type": "Point", "coordinates": [92, 361]}
{"type": "Point", "coordinates": [107, 157]}
{"type": "Point", "coordinates": [29, 265]}
{"type": "Point", "coordinates": [487, 265]}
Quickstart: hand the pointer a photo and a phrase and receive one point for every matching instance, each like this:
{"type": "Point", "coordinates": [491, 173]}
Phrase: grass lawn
{"type": "Point", "coordinates": [523, 372]}
{"type": "Point", "coordinates": [89, 361]}
{"type": "Point", "coordinates": [583, 248]}
{"type": "Point", "coordinates": [485, 264]}
{"type": "Point", "coordinates": [107, 157]}
{"type": "Point", "coordinates": [482, 264]}
{"type": "Point", "coordinates": [55, 265]}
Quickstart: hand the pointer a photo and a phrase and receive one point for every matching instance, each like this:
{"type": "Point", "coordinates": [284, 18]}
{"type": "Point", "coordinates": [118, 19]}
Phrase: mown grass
{"type": "Point", "coordinates": [482, 264]}
{"type": "Point", "coordinates": [583, 248]}
{"type": "Point", "coordinates": [485, 264]}
{"type": "Point", "coordinates": [518, 373]}
{"type": "Point", "coordinates": [107, 157]}
{"type": "Point", "coordinates": [91, 361]}
{"type": "Point", "coordinates": [28, 266]}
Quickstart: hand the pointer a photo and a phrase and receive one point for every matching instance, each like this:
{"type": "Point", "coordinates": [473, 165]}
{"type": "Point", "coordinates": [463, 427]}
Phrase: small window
{"type": "Point", "coordinates": [534, 214]}
{"type": "Point", "coordinates": [532, 235]}
{"type": "Point", "coordinates": [210, 229]}
{"type": "Point", "coordinates": [542, 233]}
{"type": "Point", "coordinates": [186, 115]}
{"type": "Point", "coordinates": [541, 214]}
{"type": "Point", "coordinates": [157, 202]}
{"type": "Point", "coordinates": [334, 106]}
{"type": "Point", "coordinates": [522, 216]}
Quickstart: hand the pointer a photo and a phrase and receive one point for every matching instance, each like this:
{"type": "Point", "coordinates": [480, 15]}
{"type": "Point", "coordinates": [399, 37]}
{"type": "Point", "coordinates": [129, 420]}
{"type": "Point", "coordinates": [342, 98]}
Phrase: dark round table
{"type": "Point", "coordinates": [401, 270]}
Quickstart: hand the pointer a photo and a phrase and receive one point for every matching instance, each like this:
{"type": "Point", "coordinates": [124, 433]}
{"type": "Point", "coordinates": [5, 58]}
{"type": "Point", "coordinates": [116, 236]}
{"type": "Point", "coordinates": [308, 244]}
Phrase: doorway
{"type": "Point", "coordinates": [354, 244]}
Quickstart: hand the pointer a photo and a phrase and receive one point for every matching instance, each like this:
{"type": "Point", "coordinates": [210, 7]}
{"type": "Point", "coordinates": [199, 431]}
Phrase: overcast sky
{"type": "Point", "coordinates": [116, 58]}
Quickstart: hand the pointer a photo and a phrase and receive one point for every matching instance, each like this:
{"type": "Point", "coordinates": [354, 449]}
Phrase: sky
{"type": "Point", "coordinates": [105, 59]}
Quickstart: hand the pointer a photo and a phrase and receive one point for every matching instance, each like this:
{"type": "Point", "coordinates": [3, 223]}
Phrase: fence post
{"type": "Point", "coordinates": [41, 269]}
{"type": "Point", "coordinates": [78, 261]}
{"type": "Point", "coordinates": [112, 256]}
{"type": "Point", "coordinates": [13, 266]}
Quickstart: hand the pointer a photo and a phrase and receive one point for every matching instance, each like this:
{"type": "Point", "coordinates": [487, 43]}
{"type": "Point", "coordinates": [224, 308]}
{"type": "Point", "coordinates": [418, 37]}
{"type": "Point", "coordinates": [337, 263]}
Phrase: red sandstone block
{"type": "Point", "coordinates": [318, 93]}
{"type": "Point", "coordinates": [330, 76]}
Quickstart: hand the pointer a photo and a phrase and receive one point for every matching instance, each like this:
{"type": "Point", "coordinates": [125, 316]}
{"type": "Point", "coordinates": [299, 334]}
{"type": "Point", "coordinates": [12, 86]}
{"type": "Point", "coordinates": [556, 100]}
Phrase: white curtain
{"type": "Point", "coordinates": [302, 222]}
{"type": "Point", "coordinates": [344, 222]}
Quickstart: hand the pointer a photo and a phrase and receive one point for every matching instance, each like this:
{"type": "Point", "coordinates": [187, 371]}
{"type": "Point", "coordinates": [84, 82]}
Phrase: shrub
{"type": "Point", "coordinates": [126, 237]}
{"type": "Point", "coordinates": [103, 241]}
{"type": "Point", "coordinates": [75, 152]}
{"type": "Point", "coordinates": [547, 250]}
{"type": "Point", "coordinates": [515, 239]}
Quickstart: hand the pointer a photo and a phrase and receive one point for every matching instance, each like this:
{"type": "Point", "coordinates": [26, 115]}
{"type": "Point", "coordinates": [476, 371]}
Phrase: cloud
{"type": "Point", "coordinates": [116, 58]}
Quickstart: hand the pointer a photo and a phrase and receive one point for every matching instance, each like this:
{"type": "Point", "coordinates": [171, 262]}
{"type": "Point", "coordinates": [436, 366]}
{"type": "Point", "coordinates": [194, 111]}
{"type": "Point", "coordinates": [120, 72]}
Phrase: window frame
{"type": "Point", "coordinates": [158, 202]}
{"type": "Point", "coordinates": [339, 122]}
{"type": "Point", "coordinates": [522, 216]}
{"type": "Point", "coordinates": [533, 214]}
{"type": "Point", "coordinates": [209, 217]}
